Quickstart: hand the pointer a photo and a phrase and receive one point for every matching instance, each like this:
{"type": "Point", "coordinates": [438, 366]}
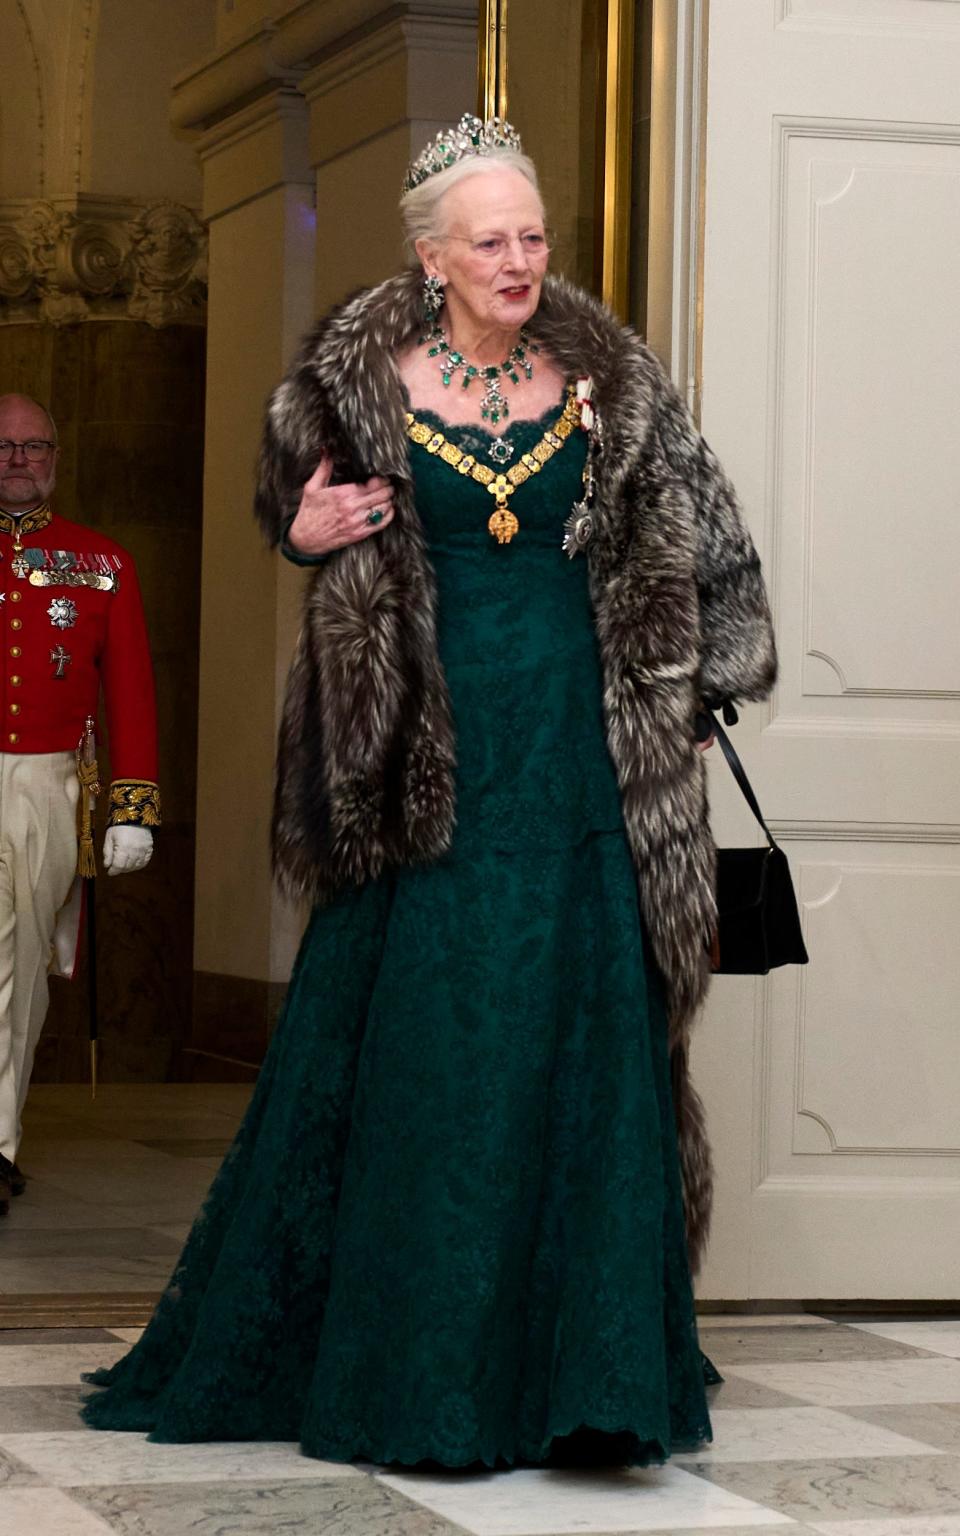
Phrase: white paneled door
{"type": "Point", "coordinates": [831, 360]}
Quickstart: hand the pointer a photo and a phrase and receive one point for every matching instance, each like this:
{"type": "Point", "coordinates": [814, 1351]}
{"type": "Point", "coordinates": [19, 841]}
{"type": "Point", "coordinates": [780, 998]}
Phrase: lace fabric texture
{"type": "Point", "coordinates": [450, 1227]}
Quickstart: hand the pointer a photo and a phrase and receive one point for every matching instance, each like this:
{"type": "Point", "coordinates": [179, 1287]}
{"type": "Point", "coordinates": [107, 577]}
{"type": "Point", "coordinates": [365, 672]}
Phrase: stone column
{"type": "Point", "coordinates": [258, 197]}
{"type": "Point", "coordinates": [374, 101]}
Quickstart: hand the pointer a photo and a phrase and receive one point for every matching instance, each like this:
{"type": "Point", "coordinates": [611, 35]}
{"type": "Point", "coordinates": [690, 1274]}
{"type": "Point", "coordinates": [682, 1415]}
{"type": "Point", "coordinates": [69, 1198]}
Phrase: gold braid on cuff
{"type": "Point", "coordinates": [134, 803]}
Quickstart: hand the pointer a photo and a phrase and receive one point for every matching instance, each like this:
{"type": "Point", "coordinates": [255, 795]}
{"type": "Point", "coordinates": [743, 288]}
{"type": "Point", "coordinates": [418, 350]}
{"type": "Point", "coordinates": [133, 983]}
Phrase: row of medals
{"type": "Point", "coordinates": [62, 612]}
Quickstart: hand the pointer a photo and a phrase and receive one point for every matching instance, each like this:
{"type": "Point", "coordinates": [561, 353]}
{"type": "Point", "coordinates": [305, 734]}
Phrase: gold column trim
{"type": "Point", "coordinates": [700, 254]}
{"type": "Point", "coordinates": [617, 155]}
{"type": "Point", "coordinates": [492, 60]}
{"type": "Point", "coordinates": [614, 129]}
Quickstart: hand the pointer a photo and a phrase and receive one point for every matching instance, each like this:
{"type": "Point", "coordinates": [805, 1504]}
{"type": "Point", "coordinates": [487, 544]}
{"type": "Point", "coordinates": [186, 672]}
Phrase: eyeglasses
{"type": "Point", "coordinates": [34, 449]}
{"type": "Point", "coordinates": [492, 249]}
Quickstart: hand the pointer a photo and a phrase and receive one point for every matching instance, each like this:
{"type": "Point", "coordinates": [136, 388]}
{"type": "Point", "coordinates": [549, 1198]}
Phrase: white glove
{"type": "Point", "coordinates": [126, 849]}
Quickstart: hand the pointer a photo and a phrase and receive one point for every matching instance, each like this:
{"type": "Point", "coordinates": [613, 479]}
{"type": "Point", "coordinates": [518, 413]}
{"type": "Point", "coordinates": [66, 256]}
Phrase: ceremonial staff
{"type": "Point", "coordinates": [89, 776]}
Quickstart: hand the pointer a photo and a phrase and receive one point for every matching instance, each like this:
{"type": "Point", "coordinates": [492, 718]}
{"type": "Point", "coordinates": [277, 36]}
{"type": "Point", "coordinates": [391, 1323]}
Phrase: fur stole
{"type": "Point", "coordinates": [366, 753]}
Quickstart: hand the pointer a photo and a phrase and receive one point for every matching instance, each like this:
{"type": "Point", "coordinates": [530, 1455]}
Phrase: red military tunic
{"type": "Point", "coordinates": [71, 619]}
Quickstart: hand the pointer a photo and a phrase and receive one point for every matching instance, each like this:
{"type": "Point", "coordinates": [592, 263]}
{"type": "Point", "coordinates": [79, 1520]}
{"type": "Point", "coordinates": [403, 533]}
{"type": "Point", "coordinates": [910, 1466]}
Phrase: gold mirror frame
{"type": "Point", "coordinates": [614, 130]}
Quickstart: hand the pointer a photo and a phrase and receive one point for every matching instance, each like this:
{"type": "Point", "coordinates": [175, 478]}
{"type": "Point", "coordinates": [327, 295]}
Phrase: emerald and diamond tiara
{"type": "Point", "coordinates": [470, 137]}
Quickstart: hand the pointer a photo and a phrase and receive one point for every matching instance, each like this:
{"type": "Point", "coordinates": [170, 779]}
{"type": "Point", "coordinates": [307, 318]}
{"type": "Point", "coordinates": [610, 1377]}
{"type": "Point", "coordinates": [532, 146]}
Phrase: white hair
{"type": "Point", "coordinates": [421, 208]}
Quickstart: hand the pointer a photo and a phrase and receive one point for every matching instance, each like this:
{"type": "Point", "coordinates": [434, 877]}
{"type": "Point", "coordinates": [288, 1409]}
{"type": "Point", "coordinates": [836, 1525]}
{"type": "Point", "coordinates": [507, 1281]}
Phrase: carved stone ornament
{"type": "Point", "coordinates": [63, 264]}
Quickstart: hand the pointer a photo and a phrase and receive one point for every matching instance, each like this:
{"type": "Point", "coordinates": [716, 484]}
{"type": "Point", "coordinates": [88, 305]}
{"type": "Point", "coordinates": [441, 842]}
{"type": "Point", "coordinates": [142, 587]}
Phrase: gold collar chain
{"type": "Point", "coordinates": [503, 523]}
{"type": "Point", "coordinates": [29, 522]}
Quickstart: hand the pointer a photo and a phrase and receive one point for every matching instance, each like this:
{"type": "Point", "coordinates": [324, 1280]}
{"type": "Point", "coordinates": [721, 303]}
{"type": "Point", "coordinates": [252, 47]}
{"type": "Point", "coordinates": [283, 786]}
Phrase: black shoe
{"type": "Point", "coordinates": [5, 1192]}
{"type": "Point", "coordinates": [18, 1180]}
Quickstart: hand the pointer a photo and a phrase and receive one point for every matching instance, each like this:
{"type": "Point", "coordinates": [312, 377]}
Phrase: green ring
{"type": "Point", "coordinates": [375, 517]}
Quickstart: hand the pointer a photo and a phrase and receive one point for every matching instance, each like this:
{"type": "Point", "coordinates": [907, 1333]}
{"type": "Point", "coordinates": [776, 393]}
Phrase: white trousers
{"type": "Point", "coordinates": [38, 860]}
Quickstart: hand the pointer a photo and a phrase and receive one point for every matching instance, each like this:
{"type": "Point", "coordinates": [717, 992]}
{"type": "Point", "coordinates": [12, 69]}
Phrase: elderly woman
{"type": "Point", "coordinates": [451, 1227]}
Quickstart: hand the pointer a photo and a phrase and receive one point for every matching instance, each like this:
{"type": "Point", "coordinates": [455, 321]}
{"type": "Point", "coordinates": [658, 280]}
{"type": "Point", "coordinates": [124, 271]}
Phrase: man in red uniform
{"type": "Point", "coordinates": [71, 621]}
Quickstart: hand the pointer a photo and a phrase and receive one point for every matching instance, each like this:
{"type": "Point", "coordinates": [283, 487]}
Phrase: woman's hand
{"type": "Point", "coordinates": [332, 516]}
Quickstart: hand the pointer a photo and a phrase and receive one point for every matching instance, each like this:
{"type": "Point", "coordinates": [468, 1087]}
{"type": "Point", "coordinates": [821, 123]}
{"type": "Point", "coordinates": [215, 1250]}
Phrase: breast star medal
{"type": "Point", "coordinates": [577, 529]}
{"type": "Point", "coordinates": [63, 613]}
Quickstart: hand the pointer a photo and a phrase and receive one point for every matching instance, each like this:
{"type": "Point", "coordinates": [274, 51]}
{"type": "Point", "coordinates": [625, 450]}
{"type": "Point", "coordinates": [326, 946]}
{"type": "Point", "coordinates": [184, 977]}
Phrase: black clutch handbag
{"type": "Point", "coordinates": [758, 923]}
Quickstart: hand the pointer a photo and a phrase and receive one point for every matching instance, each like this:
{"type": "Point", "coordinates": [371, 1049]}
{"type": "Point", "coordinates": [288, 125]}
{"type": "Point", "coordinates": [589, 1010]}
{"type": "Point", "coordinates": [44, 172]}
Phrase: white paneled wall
{"type": "Point", "coordinates": [830, 390]}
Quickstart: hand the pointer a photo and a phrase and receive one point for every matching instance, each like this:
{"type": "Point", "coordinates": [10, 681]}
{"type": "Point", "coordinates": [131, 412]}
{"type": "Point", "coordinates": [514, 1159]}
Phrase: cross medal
{"type": "Point", "coordinates": [61, 660]}
{"type": "Point", "coordinates": [502, 523]}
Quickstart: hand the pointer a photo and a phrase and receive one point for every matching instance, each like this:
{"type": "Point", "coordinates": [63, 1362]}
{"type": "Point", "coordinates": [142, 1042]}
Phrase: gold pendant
{"type": "Point", "coordinates": [503, 525]}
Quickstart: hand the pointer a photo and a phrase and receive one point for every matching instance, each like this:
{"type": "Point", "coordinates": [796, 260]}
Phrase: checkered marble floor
{"type": "Point", "coordinates": [843, 1427]}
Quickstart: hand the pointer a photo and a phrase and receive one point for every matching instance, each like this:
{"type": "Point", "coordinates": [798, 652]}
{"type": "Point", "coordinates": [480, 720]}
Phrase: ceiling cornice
{"type": "Point", "coordinates": [280, 53]}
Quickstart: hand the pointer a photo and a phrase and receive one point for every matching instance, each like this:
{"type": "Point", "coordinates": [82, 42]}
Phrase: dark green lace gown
{"type": "Point", "coordinates": [450, 1226]}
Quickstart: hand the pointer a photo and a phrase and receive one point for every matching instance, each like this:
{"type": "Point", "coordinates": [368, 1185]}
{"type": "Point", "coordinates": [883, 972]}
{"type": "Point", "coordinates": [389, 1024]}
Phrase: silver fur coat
{"type": "Point", "coordinates": [365, 775]}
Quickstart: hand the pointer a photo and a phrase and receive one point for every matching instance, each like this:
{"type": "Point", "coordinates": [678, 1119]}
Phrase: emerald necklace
{"type": "Point", "coordinates": [493, 402]}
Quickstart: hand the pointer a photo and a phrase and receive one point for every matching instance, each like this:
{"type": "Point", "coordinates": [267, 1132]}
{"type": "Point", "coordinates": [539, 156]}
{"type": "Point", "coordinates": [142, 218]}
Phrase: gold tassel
{"type": "Point", "coordinates": [89, 776]}
{"type": "Point", "coordinates": [86, 858]}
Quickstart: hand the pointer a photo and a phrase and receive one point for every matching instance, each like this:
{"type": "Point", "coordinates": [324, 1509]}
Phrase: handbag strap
{"type": "Point", "coordinates": [737, 769]}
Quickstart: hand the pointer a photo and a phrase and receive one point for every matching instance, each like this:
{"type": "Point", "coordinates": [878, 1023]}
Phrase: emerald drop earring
{"type": "Point", "coordinates": [432, 298]}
